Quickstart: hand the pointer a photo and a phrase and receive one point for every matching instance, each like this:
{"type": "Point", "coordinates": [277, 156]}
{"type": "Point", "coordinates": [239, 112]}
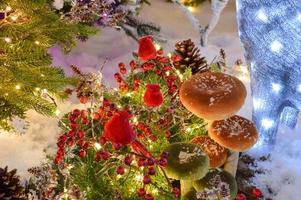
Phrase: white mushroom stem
{"type": "Point", "coordinates": [232, 163]}
{"type": "Point", "coordinates": [217, 6]}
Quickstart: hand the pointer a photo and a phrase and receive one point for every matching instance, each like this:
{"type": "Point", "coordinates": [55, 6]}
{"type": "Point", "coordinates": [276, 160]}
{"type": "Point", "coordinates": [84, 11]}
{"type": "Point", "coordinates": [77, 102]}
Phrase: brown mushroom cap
{"type": "Point", "coordinates": [235, 133]}
{"type": "Point", "coordinates": [213, 95]}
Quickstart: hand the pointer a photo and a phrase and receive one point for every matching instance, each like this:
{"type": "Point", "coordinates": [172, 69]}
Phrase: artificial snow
{"type": "Point", "coordinates": [30, 149]}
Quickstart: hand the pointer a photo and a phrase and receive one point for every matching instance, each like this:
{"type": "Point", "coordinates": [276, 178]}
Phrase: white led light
{"type": "Point", "coordinates": [299, 17]}
{"type": "Point", "coordinates": [276, 87]}
{"type": "Point", "coordinates": [18, 87]}
{"type": "Point", "coordinates": [97, 146]}
{"type": "Point", "coordinates": [257, 103]}
{"type": "Point", "coordinates": [276, 46]}
{"type": "Point", "coordinates": [299, 88]}
{"type": "Point", "coordinates": [262, 16]}
{"type": "Point", "coordinates": [157, 46]}
{"type": "Point", "coordinates": [267, 123]}
{"type": "Point", "coordinates": [7, 39]}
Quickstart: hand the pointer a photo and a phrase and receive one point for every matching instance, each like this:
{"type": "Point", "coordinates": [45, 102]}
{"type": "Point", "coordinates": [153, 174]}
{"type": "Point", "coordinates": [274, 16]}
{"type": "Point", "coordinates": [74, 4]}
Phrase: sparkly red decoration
{"type": "Point", "coordinates": [118, 129]}
{"type": "Point", "coordinates": [83, 99]}
{"type": "Point", "coordinates": [241, 196]}
{"type": "Point", "coordinates": [153, 96]}
{"type": "Point", "coordinates": [147, 49]}
{"type": "Point", "coordinates": [256, 193]}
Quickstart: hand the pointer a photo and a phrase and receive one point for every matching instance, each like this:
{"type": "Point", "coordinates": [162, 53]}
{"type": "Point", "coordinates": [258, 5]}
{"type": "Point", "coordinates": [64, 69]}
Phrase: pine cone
{"type": "Point", "coordinates": [191, 57]}
{"type": "Point", "coordinates": [10, 188]}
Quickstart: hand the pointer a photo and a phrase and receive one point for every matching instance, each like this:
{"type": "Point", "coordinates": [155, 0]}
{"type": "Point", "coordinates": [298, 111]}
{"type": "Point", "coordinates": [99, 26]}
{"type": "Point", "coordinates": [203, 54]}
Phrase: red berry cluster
{"type": "Point", "coordinates": [145, 131]}
{"type": "Point", "coordinates": [255, 194]}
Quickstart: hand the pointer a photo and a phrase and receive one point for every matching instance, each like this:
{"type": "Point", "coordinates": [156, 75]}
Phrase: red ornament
{"type": "Point", "coordinates": [128, 160]}
{"type": "Point", "coordinates": [153, 96]}
{"type": "Point", "coordinates": [83, 99]}
{"type": "Point", "coordinates": [118, 129]}
{"type": "Point", "coordinates": [256, 193]}
{"type": "Point", "coordinates": [147, 49]}
{"type": "Point", "coordinates": [151, 171]}
{"type": "Point", "coordinates": [241, 196]}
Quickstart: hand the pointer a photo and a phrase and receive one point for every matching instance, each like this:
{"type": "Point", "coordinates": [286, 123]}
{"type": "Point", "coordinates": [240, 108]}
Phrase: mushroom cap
{"type": "Point", "coordinates": [235, 133]}
{"type": "Point", "coordinates": [218, 178]}
{"type": "Point", "coordinates": [186, 162]}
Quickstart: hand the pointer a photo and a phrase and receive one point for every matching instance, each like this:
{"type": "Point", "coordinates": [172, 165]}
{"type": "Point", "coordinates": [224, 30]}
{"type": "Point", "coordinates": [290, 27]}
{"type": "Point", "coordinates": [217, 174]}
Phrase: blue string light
{"type": "Point", "coordinates": [270, 31]}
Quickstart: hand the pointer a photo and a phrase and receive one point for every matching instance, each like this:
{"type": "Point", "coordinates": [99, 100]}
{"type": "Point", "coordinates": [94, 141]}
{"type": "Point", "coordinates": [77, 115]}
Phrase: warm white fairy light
{"type": "Point", "coordinates": [139, 177]}
{"type": "Point", "coordinates": [97, 146]}
{"type": "Point", "coordinates": [157, 46]}
{"type": "Point", "coordinates": [37, 89]}
{"type": "Point", "coordinates": [167, 73]}
{"type": "Point", "coordinates": [7, 40]}
{"type": "Point", "coordinates": [57, 112]}
{"type": "Point", "coordinates": [37, 42]}
{"type": "Point", "coordinates": [18, 87]}
{"type": "Point", "coordinates": [169, 55]}
{"type": "Point", "coordinates": [188, 129]}
{"type": "Point", "coordinates": [8, 9]}
{"type": "Point", "coordinates": [14, 17]}
{"type": "Point", "coordinates": [155, 191]}
{"type": "Point", "coordinates": [42, 75]}
{"type": "Point", "coordinates": [191, 9]}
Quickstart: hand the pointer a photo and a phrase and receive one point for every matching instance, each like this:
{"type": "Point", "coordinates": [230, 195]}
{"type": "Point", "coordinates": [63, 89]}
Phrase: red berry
{"type": "Point", "coordinates": [82, 153]}
{"type": "Point", "coordinates": [123, 71]}
{"type": "Point", "coordinates": [81, 134]}
{"type": "Point", "coordinates": [95, 116]}
{"type": "Point", "coordinates": [167, 134]}
{"type": "Point", "coordinates": [151, 171]}
{"type": "Point", "coordinates": [86, 145]}
{"type": "Point", "coordinates": [121, 65]}
{"type": "Point", "coordinates": [163, 162]}
{"type": "Point", "coordinates": [102, 140]}
{"type": "Point", "coordinates": [70, 142]}
{"type": "Point", "coordinates": [72, 117]}
{"type": "Point", "coordinates": [149, 197]}
{"type": "Point", "coordinates": [84, 113]}
{"type": "Point", "coordinates": [141, 162]}
{"type": "Point", "coordinates": [74, 126]}
{"type": "Point", "coordinates": [85, 121]}
{"type": "Point", "coordinates": [133, 65]}
{"type": "Point", "coordinates": [147, 179]}
{"type": "Point", "coordinates": [150, 162]}
{"type": "Point", "coordinates": [83, 99]}
{"type": "Point", "coordinates": [120, 170]}
{"type": "Point", "coordinates": [71, 134]}
{"type": "Point", "coordinates": [176, 191]}
{"type": "Point", "coordinates": [128, 160]}
{"type": "Point", "coordinates": [241, 196]}
{"type": "Point", "coordinates": [256, 192]}
{"type": "Point", "coordinates": [76, 112]}
{"type": "Point", "coordinates": [141, 192]}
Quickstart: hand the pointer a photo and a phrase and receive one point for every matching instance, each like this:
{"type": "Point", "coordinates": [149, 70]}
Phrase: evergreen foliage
{"type": "Point", "coordinates": [29, 29]}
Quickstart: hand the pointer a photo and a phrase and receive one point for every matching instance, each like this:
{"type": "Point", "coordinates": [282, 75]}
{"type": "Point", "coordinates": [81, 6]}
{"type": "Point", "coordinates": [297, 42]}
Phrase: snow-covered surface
{"type": "Point", "coordinates": [24, 151]}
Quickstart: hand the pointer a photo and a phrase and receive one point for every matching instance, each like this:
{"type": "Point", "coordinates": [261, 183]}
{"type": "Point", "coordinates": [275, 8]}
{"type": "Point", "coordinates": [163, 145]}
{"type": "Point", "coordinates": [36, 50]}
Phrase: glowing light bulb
{"type": "Point", "coordinates": [299, 17]}
{"type": "Point", "coordinates": [276, 87]}
{"type": "Point", "coordinates": [135, 120]}
{"type": "Point", "coordinates": [97, 146]}
{"type": "Point", "coordinates": [257, 103]}
{"type": "Point", "coordinates": [18, 87]}
{"type": "Point", "coordinates": [167, 73]}
{"type": "Point", "coordinates": [155, 191]}
{"type": "Point", "coordinates": [8, 40]}
{"type": "Point", "coordinates": [267, 123]}
{"type": "Point", "coordinates": [37, 42]}
{"type": "Point", "coordinates": [42, 75]}
{"type": "Point", "coordinates": [262, 16]}
{"type": "Point", "coordinates": [276, 46]}
{"type": "Point", "coordinates": [188, 129]}
{"type": "Point", "coordinates": [139, 177]}
{"type": "Point", "coordinates": [299, 88]}
{"type": "Point", "coordinates": [57, 112]}
{"type": "Point", "coordinates": [169, 55]}
{"type": "Point", "coordinates": [14, 17]}
{"type": "Point", "coordinates": [157, 46]}
{"type": "Point", "coordinates": [37, 89]}
{"type": "Point", "coordinates": [191, 9]}
{"type": "Point", "coordinates": [8, 9]}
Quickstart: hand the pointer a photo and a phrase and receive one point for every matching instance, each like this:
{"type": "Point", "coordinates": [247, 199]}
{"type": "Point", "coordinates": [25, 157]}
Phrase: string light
{"type": "Point", "coordinates": [276, 46]}
{"type": "Point", "coordinates": [191, 9]}
{"type": "Point", "coordinates": [37, 89]}
{"type": "Point", "coordinates": [14, 17]}
{"type": "Point", "coordinates": [157, 46]}
{"type": "Point", "coordinates": [18, 87]}
{"type": "Point", "coordinates": [267, 123]}
{"type": "Point", "coordinates": [139, 177]}
{"type": "Point", "coordinates": [188, 129]}
{"type": "Point", "coordinates": [276, 87]}
{"type": "Point", "coordinates": [57, 112]}
{"type": "Point", "coordinates": [8, 40]}
{"type": "Point", "coordinates": [262, 16]}
{"type": "Point", "coordinates": [8, 9]}
{"type": "Point", "coordinates": [37, 42]}
{"type": "Point", "coordinates": [97, 146]}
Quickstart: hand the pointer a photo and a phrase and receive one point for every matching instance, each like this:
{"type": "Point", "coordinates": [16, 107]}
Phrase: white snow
{"type": "Point", "coordinates": [24, 151]}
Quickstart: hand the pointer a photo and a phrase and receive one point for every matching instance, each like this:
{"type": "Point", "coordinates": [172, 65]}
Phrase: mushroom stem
{"type": "Point", "coordinates": [231, 163]}
{"type": "Point", "coordinates": [186, 186]}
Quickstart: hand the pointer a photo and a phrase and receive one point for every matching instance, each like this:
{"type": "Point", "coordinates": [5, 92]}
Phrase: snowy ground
{"type": "Point", "coordinates": [28, 150]}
